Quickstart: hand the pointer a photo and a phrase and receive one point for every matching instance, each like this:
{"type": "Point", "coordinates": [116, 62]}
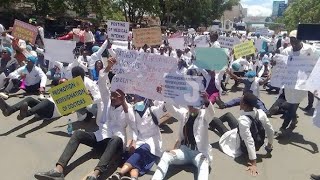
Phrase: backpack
{"type": "Point", "coordinates": [257, 132]}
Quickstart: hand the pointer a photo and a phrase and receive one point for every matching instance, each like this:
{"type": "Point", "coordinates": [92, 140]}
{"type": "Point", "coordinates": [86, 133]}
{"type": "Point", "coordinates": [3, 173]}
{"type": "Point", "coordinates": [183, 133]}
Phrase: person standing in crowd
{"type": "Point", "coordinates": [241, 139]}
{"type": "Point", "coordinates": [88, 38]}
{"type": "Point", "coordinates": [94, 74]}
{"type": "Point", "coordinates": [214, 40]}
{"type": "Point", "coordinates": [34, 78]}
{"type": "Point", "coordinates": [293, 96]}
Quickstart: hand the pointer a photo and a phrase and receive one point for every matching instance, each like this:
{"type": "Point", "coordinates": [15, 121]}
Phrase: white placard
{"type": "Point", "coordinates": [59, 50]}
{"type": "Point", "coordinates": [313, 82]}
{"type": "Point", "coordinates": [228, 42]}
{"type": "Point", "coordinates": [201, 41]}
{"type": "Point", "coordinates": [177, 43]}
{"type": "Point", "coordinates": [118, 30]}
{"type": "Point", "coordinates": [262, 31]}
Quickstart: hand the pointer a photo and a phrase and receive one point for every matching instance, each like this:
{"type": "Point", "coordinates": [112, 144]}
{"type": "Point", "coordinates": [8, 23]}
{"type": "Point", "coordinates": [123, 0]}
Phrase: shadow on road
{"type": "Point", "coordinates": [295, 139]}
{"type": "Point", "coordinates": [31, 121]}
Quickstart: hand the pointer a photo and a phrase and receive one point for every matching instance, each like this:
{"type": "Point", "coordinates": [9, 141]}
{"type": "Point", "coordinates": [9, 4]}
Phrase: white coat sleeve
{"type": "Point", "coordinates": [102, 48]}
{"type": "Point", "coordinates": [130, 117]}
{"type": "Point", "coordinates": [245, 134]}
{"type": "Point", "coordinates": [267, 126]}
{"type": "Point", "coordinates": [43, 77]}
{"type": "Point", "coordinates": [177, 113]}
{"type": "Point", "coordinates": [16, 74]}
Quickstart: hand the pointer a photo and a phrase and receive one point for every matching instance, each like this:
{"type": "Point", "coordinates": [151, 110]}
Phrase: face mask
{"type": "Point", "coordinates": [251, 79]}
{"type": "Point", "coordinates": [139, 106]}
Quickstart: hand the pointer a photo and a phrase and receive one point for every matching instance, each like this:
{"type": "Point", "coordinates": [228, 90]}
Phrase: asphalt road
{"type": "Point", "coordinates": [32, 145]}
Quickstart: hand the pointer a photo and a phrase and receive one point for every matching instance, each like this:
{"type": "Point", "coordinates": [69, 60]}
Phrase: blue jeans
{"type": "Point", "coordinates": [182, 156]}
{"type": "Point", "coordinates": [290, 115]}
{"type": "Point", "coordinates": [236, 102]}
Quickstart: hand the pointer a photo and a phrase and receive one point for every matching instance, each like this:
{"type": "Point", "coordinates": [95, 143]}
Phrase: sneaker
{"type": "Point", "coordinates": [50, 175]}
{"type": "Point", "coordinates": [91, 178]}
{"type": "Point", "coordinates": [280, 133]}
{"type": "Point", "coordinates": [4, 96]}
{"type": "Point", "coordinates": [23, 111]}
{"type": "Point", "coordinates": [315, 177]}
{"type": "Point", "coordinates": [4, 107]}
{"type": "Point", "coordinates": [308, 108]}
{"type": "Point", "coordinates": [115, 176]}
{"type": "Point", "coordinates": [41, 97]}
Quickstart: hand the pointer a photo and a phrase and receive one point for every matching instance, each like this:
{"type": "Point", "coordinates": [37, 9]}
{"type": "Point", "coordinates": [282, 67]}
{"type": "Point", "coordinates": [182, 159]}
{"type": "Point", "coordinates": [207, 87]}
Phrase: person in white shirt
{"type": "Point", "coordinates": [110, 139]}
{"type": "Point", "coordinates": [293, 96]}
{"type": "Point", "coordinates": [192, 146]}
{"type": "Point", "coordinates": [214, 40]}
{"type": "Point", "coordinates": [7, 65]}
{"type": "Point", "coordinates": [239, 139]}
{"type": "Point", "coordinates": [88, 38]}
{"type": "Point", "coordinates": [182, 63]}
{"type": "Point", "coordinates": [34, 78]}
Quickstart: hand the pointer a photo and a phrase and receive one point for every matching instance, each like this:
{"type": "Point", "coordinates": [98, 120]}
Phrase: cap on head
{"type": "Point", "coordinates": [29, 48]}
{"type": "Point", "coordinates": [9, 50]}
{"type": "Point", "coordinates": [235, 66]}
{"type": "Point", "coordinates": [33, 59]}
{"type": "Point", "coordinates": [95, 48]}
{"type": "Point", "coordinates": [293, 34]}
{"type": "Point", "coordinates": [250, 74]}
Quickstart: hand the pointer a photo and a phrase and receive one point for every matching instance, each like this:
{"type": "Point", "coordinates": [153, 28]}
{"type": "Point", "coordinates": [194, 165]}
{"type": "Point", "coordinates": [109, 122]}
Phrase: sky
{"type": "Point", "coordinates": [258, 7]}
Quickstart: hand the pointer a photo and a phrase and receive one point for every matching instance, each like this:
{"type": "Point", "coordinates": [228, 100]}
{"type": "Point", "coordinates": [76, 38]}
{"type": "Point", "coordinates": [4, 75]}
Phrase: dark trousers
{"type": "Point", "coordinates": [111, 147]}
{"type": "Point", "coordinates": [279, 107]}
{"type": "Point", "coordinates": [236, 102]}
{"type": "Point", "coordinates": [310, 99]}
{"type": "Point", "coordinates": [217, 123]}
{"type": "Point", "coordinates": [239, 74]}
{"type": "Point", "coordinates": [290, 115]}
{"type": "Point", "coordinates": [33, 88]}
{"type": "Point", "coordinates": [43, 108]}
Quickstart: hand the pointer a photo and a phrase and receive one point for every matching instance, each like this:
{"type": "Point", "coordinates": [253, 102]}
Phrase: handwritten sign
{"type": "Point", "coordinates": [201, 41]}
{"type": "Point", "coordinates": [262, 31]}
{"type": "Point", "coordinates": [313, 83]}
{"type": "Point", "coordinates": [183, 89]}
{"type": "Point", "coordinates": [228, 42]}
{"type": "Point", "coordinates": [211, 58]}
{"type": "Point", "coordinates": [177, 43]}
{"type": "Point", "coordinates": [25, 31]}
{"type": "Point", "coordinates": [293, 71]}
{"type": "Point", "coordinates": [59, 50]}
{"type": "Point", "coordinates": [118, 30]}
{"type": "Point", "coordinates": [70, 96]}
{"type": "Point", "coordinates": [150, 36]}
{"type": "Point", "coordinates": [244, 49]}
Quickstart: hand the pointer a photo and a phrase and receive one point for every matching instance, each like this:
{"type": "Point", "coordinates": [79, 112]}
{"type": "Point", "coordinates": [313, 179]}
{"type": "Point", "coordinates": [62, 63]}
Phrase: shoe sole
{"type": "Point", "coordinates": [43, 177]}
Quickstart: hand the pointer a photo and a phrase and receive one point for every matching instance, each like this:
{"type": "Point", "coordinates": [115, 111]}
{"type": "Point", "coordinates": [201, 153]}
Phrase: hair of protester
{"type": "Point", "coordinates": [78, 71]}
{"type": "Point", "coordinates": [249, 99]}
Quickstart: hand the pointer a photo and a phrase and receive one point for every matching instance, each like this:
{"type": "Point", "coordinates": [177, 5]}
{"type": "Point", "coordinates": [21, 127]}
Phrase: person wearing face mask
{"type": "Point", "coordinates": [241, 139]}
{"type": "Point", "coordinates": [251, 85]}
{"type": "Point", "coordinates": [192, 146]}
{"type": "Point", "coordinates": [7, 65]}
{"type": "Point", "coordinates": [146, 146]}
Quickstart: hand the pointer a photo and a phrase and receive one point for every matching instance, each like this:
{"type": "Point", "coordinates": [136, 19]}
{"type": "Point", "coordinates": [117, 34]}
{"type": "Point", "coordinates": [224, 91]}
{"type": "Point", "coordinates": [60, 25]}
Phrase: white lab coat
{"type": "Point", "coordinates": [65, 72]}
{"type": "Point", "coordinates": [230, 141]}
{"type": "Point", "coordinates": [93, 88]}
{"type": "Point", "coordinates": [35, 76]}
{"type": "Point", "coordinates": [316, 115]}
{"type": "Point", "coordinates": [200, 127]}
{"type": "Point", "coordinates": [218, 79]}
{"type": "Point", "coordinates": [96, 56]}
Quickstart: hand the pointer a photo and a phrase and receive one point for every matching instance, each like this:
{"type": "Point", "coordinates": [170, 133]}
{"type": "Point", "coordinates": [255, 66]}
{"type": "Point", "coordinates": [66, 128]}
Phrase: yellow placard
{"type": "Point", "coordinates": [150, 36]}
{"type": "Point", "coordinates": [70, 96]}
{"type": "Point", "coordinates": [244, 49]}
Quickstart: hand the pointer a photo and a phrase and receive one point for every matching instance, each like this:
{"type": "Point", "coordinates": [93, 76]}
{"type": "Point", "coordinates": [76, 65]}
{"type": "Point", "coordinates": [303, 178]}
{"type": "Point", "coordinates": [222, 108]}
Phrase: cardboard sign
{"type": "Point", "coordinates": [183, 89]}
{"type": "Point", "coordinates": [177, 43]}
{"type": "Point", "coordinates": [70, 96]}
{"type": "Point", "coordinates": [262, 31]}
{"type": "Point", "coordinates": [118, 30]}
{"type": "Point", "coordinates": [150, 36]}
{"type": "Point", "coordinates": [211, 58]}
{"type": "Point", "coordinates": [244, 49]}
{"type": "Point", "coordinates": [228, 42]}
{"type": "Point", "coordinates": [59, 50]}
{"type": "Point", "coordinates": [25, 31]}
{"type": "Point", "coordinates": [292, 71]}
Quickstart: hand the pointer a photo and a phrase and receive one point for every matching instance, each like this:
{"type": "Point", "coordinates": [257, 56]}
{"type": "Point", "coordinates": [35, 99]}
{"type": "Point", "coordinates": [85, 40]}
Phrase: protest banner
{"type": "Point", "coordinates": [262, 31]}
{"type": "Point", "coordinates": [183, 89]}
{"type": "Point", "coordinates": [25, 31]}
{"type": "Point", "coordinates": [118, 30]}
{"type": "Point", "coordinates": [201, 41]}
{"type": "Point", "coordinates": [244, 49]}
{"type": "Point", "coordinates": [228, 42]}
{"type": "Point", "coordinates": [211, 58]}
{"type": "Point", "coordinates": [150, 36]}
{"type": "Point", "coordinates": [177, 43]}
{"type": "Point", "coordinates": [119, 45]}
{"type": "Point", "coordinates": [70, 96]}
{"type": "Point", "coordinates": [313, 83]}
{"type": "Point", "coordinates": [59, 50]}
{"type": "Point", "coordinates": [292, 71]}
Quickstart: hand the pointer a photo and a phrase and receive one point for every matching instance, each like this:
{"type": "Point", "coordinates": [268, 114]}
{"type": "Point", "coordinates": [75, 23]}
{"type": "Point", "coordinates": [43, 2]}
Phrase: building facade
{"type": "Point", "coordinates": [235, 15]}
{"type": "Point", "coordinates": [278, 8]}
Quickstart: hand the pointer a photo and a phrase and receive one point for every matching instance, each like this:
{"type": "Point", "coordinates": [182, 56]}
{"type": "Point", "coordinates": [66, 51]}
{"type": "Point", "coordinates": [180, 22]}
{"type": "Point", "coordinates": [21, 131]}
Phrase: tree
{"type": "Point", "coordinates": [302, 11]}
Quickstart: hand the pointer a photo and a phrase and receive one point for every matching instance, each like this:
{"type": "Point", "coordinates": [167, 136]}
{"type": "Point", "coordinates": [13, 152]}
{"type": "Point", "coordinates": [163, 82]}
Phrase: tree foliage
{"type": "Point", "coordinates": [302, 11]}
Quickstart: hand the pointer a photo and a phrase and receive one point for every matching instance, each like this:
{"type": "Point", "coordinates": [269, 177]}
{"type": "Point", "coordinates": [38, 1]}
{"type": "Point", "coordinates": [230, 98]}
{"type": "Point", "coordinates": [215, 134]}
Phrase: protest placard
{"type": "Point", "coordinates": [183, 89]}
{"type": "Point", "coordinates": [177, 43]}
{"type": "Point", "coordinates": [150, 36]}
{"type": "Point", "coordinates": [244, 49]}
{"type": "Point", "coordinates": [211, 58]}
{"type": "Point", "coordinates": [118, 30]}
{"type": "Point", "coordinates": [70, 96]}
{"type": "Point", "coordinates": [59, 50]}
{"type": "Point", "coordinates": [293, 71]}
{"type": "Point", "coordinates": [25, 31]}
{"type": "Point", "coordinates": [201, 41]}
{"type": "Point", "coordinates": [313, 83]}
{"type": "Point", "coordinates": [228, 42]}
{"type": "Point", "coordinates": [262, 31]}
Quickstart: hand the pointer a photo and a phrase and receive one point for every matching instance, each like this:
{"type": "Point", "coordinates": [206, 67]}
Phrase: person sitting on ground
{"type": "Point", "coordinates": [94, 73]}
{"type": "Point", "coordinates": [193, 146]}
{"type": "Point", "coordinates": [7, 65]}
{"type": "Point", "coordinates": [247, 133]}
{"type": "Point", "coordinates": [146, 147]}
{"type": "Point", "coordinates": [44, 109]}
{"type": "Point", "coordinates": [110, 139]}
{"type": "Point", "coordinates": [251, 84]}
{"type": "Point", "coordinates": [34, 78]}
